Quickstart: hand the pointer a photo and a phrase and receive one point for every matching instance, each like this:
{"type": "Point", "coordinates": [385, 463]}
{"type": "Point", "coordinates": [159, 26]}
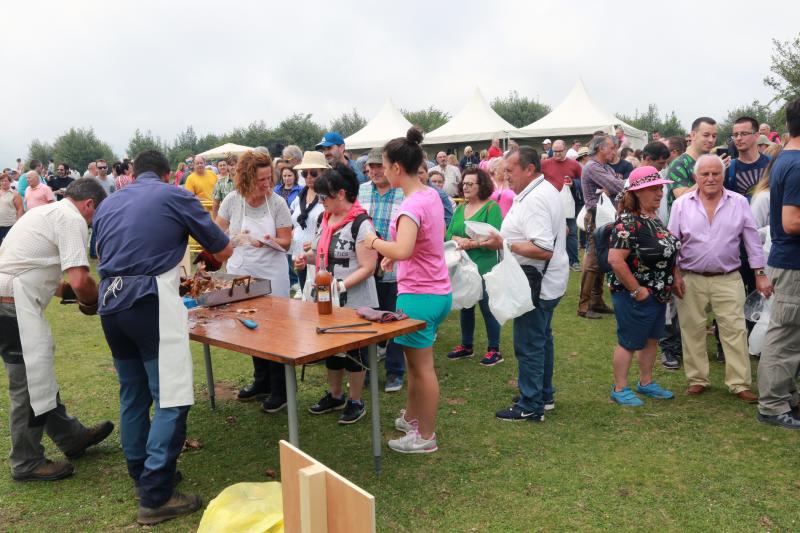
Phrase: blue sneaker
{"type": "Point", "coordinates": [626, 397]}
{"type": "Point", "coordinates": [654, 390]}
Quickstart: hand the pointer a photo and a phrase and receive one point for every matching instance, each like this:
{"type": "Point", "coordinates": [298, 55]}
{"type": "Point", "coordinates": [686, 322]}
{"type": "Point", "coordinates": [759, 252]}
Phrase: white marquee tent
{"type": "Point", "coordinates": [385, 126]}
{"type": "Point", "coordinates": [476, 121]}
{"type": "Point", "coordinates": [225, 150]}
{"type": "Point", "coordinates": [578, 114]}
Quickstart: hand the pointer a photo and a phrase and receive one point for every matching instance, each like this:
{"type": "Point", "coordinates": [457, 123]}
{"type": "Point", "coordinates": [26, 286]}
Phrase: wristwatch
{"type": "Point", "coordinates": [760, 272]}
{"type": "Point", "coordinates": [635, 292]}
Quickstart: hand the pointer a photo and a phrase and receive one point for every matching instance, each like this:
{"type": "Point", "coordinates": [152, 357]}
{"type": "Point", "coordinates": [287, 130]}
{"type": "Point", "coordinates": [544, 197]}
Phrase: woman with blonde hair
{"type": "Point", "coordinates": [502, 194]}
{"type": "Point", "coordinates": [260, 226]}
{"type": "Point", "coordinates": [759, 202]}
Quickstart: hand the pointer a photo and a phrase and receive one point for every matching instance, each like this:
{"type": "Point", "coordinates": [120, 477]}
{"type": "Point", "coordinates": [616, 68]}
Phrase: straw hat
{"type": "Point", "coordinates": [312, 160]}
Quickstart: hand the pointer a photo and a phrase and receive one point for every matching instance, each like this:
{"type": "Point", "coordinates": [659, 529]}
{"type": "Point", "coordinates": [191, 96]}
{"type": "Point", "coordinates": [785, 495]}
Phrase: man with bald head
{"type": "Point", "coordinates": [562, 167]}
{"type": "Point", "coordinates": [711, 223]}
{"type": "Point", "coordinates": [451, 173]}
{"type": "Point", "coordinates": [201, 182]}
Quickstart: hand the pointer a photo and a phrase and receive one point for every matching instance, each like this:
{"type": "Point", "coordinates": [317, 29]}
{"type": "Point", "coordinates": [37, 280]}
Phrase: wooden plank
{"type": "Point", "coordinates": [351, 508]}
{"type": "Point", "coordinates": [313, 500]}
{"type": "Point", "coordinates": [286, 330]}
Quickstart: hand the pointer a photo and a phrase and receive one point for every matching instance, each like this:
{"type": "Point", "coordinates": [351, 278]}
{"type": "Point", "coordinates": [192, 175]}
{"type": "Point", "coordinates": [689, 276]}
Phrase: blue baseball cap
{"type": "Point", "coordinates": [332, 138]}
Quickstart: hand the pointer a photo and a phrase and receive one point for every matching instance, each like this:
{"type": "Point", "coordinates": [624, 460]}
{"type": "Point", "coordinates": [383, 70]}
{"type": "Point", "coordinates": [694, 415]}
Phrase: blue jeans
{"type": "Point", "coordinates": [572, 242]}
{"type": "Point", "coordinates": [151, 447]}
{"type": "Point", "coordinates": [468, 323]}
{"type": "Point", "coordinates": [387, 300]}
{"type": "Point", "coordinates": [292, 274]}
{"type": "Point", "coordinates": [533, 346]}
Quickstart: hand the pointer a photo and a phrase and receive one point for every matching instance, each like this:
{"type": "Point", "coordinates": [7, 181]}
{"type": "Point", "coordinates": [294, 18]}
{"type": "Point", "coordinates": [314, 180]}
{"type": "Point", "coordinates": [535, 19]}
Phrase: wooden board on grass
{"type": "Point", "coordinates": [349, 507]}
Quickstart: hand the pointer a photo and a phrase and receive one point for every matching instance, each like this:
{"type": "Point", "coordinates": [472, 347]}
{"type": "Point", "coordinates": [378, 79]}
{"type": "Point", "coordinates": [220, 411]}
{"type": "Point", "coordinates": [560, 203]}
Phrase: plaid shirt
{"type": "Point", "coordinates": [382, 209]}
{"type": "Point", "coordinates": [222, 188]}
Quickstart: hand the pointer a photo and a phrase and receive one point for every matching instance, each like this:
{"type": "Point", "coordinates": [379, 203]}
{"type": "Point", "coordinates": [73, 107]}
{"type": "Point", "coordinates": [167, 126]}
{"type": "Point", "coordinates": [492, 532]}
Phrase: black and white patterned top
{"type": "Point", "coordinates": [654, 251]}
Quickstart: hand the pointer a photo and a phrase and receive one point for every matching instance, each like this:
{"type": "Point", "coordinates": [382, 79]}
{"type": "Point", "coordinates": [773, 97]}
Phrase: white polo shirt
{"type": "Point", "coordinates": [537, 216]}
{"type": "Point", "coordinates": [51, 234]}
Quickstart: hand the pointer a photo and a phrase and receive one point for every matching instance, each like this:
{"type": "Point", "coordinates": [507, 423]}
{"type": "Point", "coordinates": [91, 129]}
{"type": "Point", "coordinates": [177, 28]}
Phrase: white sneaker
{"type": "Point", "coordinates": [549, 406]}
{"type": "Point", "coordinates": [401, 424]}
{"type": "Point", "coordinates": [295, 287]}
{"type": "Point", "coordinates": [298, 295]}
{"type": "Point", "coordinates": [413, 442]}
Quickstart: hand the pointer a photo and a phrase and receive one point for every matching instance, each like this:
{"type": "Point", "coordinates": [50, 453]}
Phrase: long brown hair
{"type": "Point", "coordinates": [247, 169]}
{"type": "Point", "coordinates": [763, 183]}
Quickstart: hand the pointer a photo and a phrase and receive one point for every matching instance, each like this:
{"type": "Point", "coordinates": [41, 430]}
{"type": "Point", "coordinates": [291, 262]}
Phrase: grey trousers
{"type": "Point", "coordinates": [27, 452]}
{"type": "Point", "coordinates": [780, 355]}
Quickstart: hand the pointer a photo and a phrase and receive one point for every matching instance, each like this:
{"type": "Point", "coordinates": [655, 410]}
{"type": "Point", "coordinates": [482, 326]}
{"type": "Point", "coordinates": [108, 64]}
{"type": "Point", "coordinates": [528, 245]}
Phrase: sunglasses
{"type": "Point", "coordinates": [101, 168]}
{"type": "Point", "coordinates": [322, 197]}
{"type": "Point", "coordinates": [311, 173]}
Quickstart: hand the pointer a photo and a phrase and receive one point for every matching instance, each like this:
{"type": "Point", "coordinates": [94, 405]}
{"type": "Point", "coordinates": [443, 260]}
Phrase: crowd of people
{"type": "Point", "coordinates": [685, 241]}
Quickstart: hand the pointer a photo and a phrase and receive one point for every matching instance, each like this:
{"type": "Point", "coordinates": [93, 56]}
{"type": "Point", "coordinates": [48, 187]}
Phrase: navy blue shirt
{"type": "Point", "coordinates": [784, 189]}
{"type": "Point", "coordinates": [142, 231]}
{"type": "Point", "coordinates": [622, 168]}
{"type": "Point", "coordinates": [742, 177]}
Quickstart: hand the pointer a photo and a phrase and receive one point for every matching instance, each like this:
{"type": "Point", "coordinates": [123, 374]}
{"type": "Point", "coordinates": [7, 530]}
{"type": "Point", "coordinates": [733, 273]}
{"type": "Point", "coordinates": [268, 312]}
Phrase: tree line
{"type": "Point", "coordinates": [77, 147]}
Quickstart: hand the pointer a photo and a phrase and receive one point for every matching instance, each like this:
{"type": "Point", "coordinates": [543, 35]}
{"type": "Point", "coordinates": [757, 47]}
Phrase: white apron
{"type": "Point", "coordinates": [33, 290]}
{"type": "Point", "coordinates": [175, 370]}
{"type": "Point", "coordinates": [263, 262]}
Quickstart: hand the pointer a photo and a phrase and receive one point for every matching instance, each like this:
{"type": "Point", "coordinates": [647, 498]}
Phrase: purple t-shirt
{"type": "Point", "coordinates": [425, 271]}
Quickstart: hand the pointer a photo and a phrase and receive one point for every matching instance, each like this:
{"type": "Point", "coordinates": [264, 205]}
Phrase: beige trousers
{"type": "Point", "coordinates": [725, 296]}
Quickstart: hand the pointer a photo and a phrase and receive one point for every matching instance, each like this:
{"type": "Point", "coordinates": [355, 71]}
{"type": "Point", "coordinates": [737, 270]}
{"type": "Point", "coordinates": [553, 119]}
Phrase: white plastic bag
{"type": "Point", "coordinates": [508, 289]}
{"type": "Point", "coordinates": [466, 283]}
{"type": "Point", "coordinates": [567, 201]}
{"type": "Point", "coordinates": [579, 219]}
{"type": "Point", "coordinates": [605, 212]}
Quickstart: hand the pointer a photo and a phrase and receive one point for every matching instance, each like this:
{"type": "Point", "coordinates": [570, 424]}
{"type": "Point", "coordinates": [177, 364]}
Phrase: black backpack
{"type": "Point", "coordinates": [602, 240]}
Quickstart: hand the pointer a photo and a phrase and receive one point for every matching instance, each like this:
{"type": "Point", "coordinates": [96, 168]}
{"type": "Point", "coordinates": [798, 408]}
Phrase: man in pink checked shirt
{"type": "Point", "coordinates": [711, 222]}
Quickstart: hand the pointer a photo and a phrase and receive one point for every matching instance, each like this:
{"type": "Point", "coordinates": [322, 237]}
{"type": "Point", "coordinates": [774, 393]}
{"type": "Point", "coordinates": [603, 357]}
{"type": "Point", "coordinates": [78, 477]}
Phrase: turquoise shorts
{"type": "Point", "coordinates": [431, 308]}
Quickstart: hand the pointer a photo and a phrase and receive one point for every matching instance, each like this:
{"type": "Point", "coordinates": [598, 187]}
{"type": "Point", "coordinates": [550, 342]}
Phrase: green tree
{"type": "Point", "coordinates": [755, 109]}
{"type": "Point", "coordinates": [40, 150]}
{"type": "Point", "coordinates": [426, 119]}
{"type": "Point", "coordinates": [348, 123]}
{"type": "Point", "coordinates": [255, 134]}
{"type": "Point", "coordinates": [785, 69]}
{"type": "Point", "coordinates": [185, 144]}
{"type": "Point", "coordinates": [651, 121]}
{"type": "Point", "coordinates": [298, 129]}
{"type": "Point", "coordinates": [78, 147]}
{"type": "Point", "coordinates": [519, 110]}
{"type": "Point", "coordinates": [207, 142]}
{"type": "Point", "coordinates": [141, 142]}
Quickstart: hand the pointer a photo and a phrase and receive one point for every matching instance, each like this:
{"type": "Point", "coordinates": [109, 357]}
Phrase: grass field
{"type": "Point", "coordinates": [690, 464]}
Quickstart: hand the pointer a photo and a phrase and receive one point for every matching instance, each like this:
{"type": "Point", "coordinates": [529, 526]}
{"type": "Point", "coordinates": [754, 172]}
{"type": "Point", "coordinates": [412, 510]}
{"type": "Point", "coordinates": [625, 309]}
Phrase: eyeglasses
{"type": "Point", "coordinates": [740, 134]}
{"type": "Point", "coordinates": [468, 184]}
{"type": "Point", "coordinates": [322, 197]}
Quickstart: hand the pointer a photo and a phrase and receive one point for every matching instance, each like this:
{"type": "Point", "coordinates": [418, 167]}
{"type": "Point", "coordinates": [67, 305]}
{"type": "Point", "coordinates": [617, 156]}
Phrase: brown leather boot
{"type": "Point", "coordinates": [47, 471]}
{"type": "Point", "coordinates": [178, 505]}
{"type": "Point", "coordinates": [93, 435]}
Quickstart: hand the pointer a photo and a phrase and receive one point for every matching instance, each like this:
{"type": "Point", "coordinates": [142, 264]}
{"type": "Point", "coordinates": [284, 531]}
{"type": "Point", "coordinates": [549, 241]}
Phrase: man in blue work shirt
{"type": "Point", "coordinates": [141, 238]}
{"type": "Point", "coordinates": [332, 145]}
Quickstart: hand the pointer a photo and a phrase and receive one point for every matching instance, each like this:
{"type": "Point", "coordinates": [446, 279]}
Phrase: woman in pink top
{"type": "Point", "coordinates": [423, 286]}
{"type": "Point", "coordinates": [37, 192]}
{"type": "Point", "coordinates": [502, 194]}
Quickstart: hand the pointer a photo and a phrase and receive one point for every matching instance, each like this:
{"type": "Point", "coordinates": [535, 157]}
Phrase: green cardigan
{"type": "Point", "coordinates": [489, 213]}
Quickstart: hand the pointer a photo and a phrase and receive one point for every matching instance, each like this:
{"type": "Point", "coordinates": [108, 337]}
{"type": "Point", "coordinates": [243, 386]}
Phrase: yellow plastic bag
{"type": "Point", "coordinates": [245, 508]}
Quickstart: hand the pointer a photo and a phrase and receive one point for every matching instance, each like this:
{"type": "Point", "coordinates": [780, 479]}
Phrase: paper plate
{"type": "Point", "coordinates": [479, 230]}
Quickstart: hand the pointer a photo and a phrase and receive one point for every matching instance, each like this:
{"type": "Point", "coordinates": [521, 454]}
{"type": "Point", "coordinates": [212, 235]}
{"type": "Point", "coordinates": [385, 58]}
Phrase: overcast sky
{"type": "Point", "coordinates": [162, 65]}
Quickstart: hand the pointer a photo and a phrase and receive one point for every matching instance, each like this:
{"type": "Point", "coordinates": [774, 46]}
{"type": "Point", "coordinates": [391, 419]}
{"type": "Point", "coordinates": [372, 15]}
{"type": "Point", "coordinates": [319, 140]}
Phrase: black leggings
{"type": "Point", "coordinates": [349, 363]}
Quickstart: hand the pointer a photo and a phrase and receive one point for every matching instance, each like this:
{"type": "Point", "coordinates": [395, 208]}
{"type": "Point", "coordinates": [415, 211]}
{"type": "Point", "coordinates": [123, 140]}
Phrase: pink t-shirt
{"type": "Point", "coordinates": [41, 195]}
{"type": "Point", "coordinates": [425, 271]}
{"type": "Point", "coordinates": [504, 199]}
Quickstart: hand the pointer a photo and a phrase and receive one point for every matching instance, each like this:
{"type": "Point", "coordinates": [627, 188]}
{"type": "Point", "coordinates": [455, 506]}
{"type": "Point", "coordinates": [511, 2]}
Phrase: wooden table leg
{"type": "Point", "coordinates": [291, 404]}
{"type": "Point", "coordinates": [372, 350]}
{"type": "Point", "coordinates": [209, 376]}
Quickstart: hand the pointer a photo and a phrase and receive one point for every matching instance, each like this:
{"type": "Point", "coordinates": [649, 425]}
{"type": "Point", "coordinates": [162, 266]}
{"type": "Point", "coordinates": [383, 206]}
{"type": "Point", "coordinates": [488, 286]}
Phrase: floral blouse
{"type": "Point", "coordinates": [654, 251]}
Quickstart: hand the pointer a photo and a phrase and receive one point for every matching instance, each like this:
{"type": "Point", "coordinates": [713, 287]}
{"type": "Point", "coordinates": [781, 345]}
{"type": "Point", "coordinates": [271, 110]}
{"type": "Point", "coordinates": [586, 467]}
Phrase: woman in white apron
{"type": "Point", "coordinates": [260, 226]}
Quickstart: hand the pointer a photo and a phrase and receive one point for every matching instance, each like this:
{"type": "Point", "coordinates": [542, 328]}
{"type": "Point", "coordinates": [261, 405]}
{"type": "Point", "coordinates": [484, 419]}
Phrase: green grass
{"type": "Point", "coordinates": [691, 464]}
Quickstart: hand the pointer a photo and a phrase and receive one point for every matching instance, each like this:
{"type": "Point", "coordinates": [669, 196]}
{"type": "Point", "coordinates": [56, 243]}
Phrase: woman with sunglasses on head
{"type": "Point", "coordinates": [339, 248]}
{"type": "Point", "coordinates": [306, 207]}
{"type": "Point", "coordinates": [423, 286]}
{"type": "Point", "coordinates": [256, 219]}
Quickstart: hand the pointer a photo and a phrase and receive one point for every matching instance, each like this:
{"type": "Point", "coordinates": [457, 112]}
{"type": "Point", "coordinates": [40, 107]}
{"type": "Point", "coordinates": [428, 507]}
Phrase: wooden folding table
{"type": "Point", "coordinates": [287, 334]}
